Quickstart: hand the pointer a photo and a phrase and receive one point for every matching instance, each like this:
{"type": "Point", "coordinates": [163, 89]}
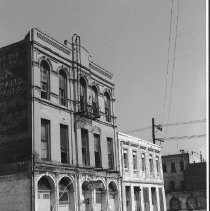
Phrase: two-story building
{"type": "Point", "coordinates": [142, 176]}
{"type": "Point", "coordinates": [185, 181]}
{"type": "Point", "coordinates": [58, 140]}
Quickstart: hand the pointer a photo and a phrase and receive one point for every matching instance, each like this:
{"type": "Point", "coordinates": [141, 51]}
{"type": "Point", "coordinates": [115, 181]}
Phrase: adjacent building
{"type": "Point", "coordinates": [185, 181]}
{"type": "Point", "coordinates": [58, 140]}
{"type": "Point", "coordinates": [142, 176]}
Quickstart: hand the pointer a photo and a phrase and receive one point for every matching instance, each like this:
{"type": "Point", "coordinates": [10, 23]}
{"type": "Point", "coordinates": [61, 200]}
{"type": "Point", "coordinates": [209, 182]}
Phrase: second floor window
{"type": "Point", "coordinates": [64, 143]}
{"type": "Point", "coordinates": [125, 157]}
{"type": "Point", "coordinates": [62, 88]}
{"type": "Point", "coordinates": [83, 95]}
{"type": "Point", "coordinates": [107, 107]}
{"type": "Point", "coordinates": [110, 153]}
{"type": "Point", "coordinates": [97, 150]}
{"type": "Point", "coordinates": [134, 160]}
{"type": "Point", "coordinates": [143, 162]}
{"type": "Point", "coordinates": [44, 79]}
{"type": "Point", "coordinates": [173, 167]}
{"type": "Point", "coordinates": [157, 164]}
{"type": "Point", "coordinates": [95, 100]}
{"type": "Point", "coordinates": [151, 163]}
{"type": "Point", "coordinates": [45, 139]}
{"type": "Point", "coordinates": [164, 168]}
{"type": "Point", "coordinates": [181, 166]}
{"type": "Point", "coordinates": [85, 147]}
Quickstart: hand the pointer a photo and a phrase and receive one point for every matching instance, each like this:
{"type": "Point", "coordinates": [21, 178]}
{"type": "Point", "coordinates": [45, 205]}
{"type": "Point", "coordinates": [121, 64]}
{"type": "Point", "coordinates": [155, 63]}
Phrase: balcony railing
{"type": "Point", "coordinates": [90, 111]}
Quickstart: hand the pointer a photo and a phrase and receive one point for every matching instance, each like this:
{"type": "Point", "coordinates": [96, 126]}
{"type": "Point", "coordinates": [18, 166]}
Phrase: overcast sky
{"type": "Point", "coordinates": [130, 39]}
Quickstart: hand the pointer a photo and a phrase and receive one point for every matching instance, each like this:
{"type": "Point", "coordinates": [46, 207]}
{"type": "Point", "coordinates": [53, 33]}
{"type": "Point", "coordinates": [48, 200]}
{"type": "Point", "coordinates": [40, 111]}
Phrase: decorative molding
{"type": "Point", "coordinates": [54, 72]}
{"type": "Point", "coordinates": [126, 142]}
{"type": "Point", "coordinates": [141, 147]}
{"type": "Point", "coordinates": [100, 70]}
{"type": "Point", "coordinates": [96, 129]}
{"type": "Point", "coordinates": [35, 63]}
{"type": "Point", "coordinates": [54, 44]}
{"type": "Point", "coordinates": [150, 149]}
{"type": "Point", "coordinates": [54, 95]}
{"type": "Point", "coordinates": [134, 145]}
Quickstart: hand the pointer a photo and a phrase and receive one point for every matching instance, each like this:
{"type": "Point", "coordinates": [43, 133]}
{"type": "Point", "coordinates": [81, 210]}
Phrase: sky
{"type": "Point", "coordinates": [131, 40]}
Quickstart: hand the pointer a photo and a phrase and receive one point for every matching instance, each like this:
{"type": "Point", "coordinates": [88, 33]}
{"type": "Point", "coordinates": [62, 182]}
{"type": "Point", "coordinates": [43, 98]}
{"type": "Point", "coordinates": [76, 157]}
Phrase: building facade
{"type": "Point", "coordinates": [58, 140]}
{"type": "Point", "coordinates": [142, 176]}
{"type": "Point", "coordinates": [185, 181]}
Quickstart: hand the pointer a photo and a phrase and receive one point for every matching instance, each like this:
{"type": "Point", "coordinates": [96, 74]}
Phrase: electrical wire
{"type": "Point", "coordinates": [174, 58]}
{"type": "Point", "coordinates": [170, 124]}
{"type": "Point", "coordinates": [183, 137]}
{"type": "Point", "coordinates": [166, 78]}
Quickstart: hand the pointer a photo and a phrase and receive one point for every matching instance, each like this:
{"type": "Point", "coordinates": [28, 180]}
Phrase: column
{"type": "Point", "coordinates": [158, 199]}
{"type": "Point", "coordinates": [142, 198]}
{"type": "Point", "coordinates": [150, 199]}
{"type": "Point", "coordinates": [132, 197]}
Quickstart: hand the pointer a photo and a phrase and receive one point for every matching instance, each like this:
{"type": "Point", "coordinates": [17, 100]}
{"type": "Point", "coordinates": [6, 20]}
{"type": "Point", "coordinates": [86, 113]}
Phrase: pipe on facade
{"type": "Point", "coordinates": [33, 136]}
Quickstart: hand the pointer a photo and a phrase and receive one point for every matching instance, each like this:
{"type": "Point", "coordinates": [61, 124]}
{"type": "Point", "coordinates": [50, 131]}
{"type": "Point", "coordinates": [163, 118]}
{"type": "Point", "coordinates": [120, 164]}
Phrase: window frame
{"type": "Point", "coordinates": [143, 161]}
{"type": "Point", "coordinates": [86, 159]}
{"type": "Point", "coordinates": [111, 160]}
{"type": "Point", "coordinates": [46, 123]}
{"type": "Point", "coordinates": [151, 164]}
{"type": "Point", "coordinates": [98, 138]}
{"type": "Point", "coordinates": [107, 106]}
{"type": "Point", "coordinates": [135, 162]}
{"type": "Point", "coordinates": [83, 95]}
{"type": "Point", "coordinates": [63, 91]}
{"type": "Point", "coordinates": [125, 161]}
{"type": "Point", "coordinates": [67, 143]}
{"type": "Point", "coordinates": [44, 66]}
{"type": "Point", "coordinates": [173, 167]}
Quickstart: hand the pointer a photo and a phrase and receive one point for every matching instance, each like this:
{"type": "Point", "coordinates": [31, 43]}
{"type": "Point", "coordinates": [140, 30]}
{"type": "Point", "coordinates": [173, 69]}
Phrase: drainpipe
{"type": "Point", "coordinates": [32, 122]}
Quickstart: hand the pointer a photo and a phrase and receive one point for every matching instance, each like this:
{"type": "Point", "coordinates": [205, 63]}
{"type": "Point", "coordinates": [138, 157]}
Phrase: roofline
{"type": "Point", "coordinates": [138, 139]}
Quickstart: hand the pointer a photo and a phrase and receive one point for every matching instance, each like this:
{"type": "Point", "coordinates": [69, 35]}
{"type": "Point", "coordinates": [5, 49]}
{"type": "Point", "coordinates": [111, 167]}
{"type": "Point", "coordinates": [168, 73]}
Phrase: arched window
{"type": "Point", "coordinates": [83, 95]}
{"type": "Point", "coordinates": [107, 107]}
{"type": "Point", "coordinates": [113, 197]}
{"type": "Point", "coordinates": [46, 194]}
{"type": "Point", "coordinates": [174, 204]}
{"type": "Point", "coordinates": [44, 79]}
{"type": "Point", "coordinates": [95, 101]}
{"type": "Point", "coordinates": [62, 87]}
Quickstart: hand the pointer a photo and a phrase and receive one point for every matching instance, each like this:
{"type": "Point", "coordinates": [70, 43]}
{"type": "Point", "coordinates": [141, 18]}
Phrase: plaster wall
{"type": "Point", "coordinates": [15, 194]}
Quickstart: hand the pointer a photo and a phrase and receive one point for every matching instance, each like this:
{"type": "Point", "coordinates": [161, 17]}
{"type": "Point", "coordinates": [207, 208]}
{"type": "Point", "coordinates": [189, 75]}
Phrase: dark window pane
{"type": "Point", "coordinates": [85, 147]}
{"type": "Point", "coordinates": [97, 149]}
{"type": "Point", "coordinates": [45, 139]}
{"type": "Point", "coordinates": [110, 153]}
{"type": "Point", "coordinates": [64, 143]}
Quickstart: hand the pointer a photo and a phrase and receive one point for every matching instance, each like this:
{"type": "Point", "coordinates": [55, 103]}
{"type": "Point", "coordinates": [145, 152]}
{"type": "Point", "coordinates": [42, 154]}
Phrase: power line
{"type": "Point", "coordinates": [170, 124]}
{"type": "Point", "coordinates": [183, 137]}
{"type": "Point", "coordinates": [174, 57]}
{"type": "Point", "coordinates": [169, 45]}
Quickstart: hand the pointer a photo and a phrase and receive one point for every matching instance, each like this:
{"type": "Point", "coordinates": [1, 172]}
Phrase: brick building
{"type": "Point", "coordinates": [185, 181]}
{"type": "Point", "coordinates": [58, 142]}
{"type": "Point", "coordinates": [142, 176]}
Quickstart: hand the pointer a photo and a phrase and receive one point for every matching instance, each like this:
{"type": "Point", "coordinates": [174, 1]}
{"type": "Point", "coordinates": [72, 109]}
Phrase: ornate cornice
{"type": "Point", "coordinates": [100, 70]}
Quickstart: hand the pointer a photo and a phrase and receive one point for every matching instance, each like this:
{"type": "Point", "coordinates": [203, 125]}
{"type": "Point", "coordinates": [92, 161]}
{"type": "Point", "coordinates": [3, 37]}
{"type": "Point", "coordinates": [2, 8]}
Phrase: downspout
{"type": "Point", "coordinates": [122, 172]}
{"type": "Point", "coordinates": [74, 122]}
{"type": "Point", "coordinates": [32, 122]}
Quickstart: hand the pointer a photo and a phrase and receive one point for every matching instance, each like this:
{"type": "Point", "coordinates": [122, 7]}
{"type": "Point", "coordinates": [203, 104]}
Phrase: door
{"type": "Point", "coordinates": [63, 207]}
{"type": "Point", "coordinates": [98, 201]}
{"type": "Point", "coordinates": [44, 201]}
{"type": "Point", "coordinates": [111, 202]}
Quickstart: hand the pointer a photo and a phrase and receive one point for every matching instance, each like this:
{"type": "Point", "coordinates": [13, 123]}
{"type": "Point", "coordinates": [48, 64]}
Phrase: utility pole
{"type": "Point", "coordinates": [159, 127]}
